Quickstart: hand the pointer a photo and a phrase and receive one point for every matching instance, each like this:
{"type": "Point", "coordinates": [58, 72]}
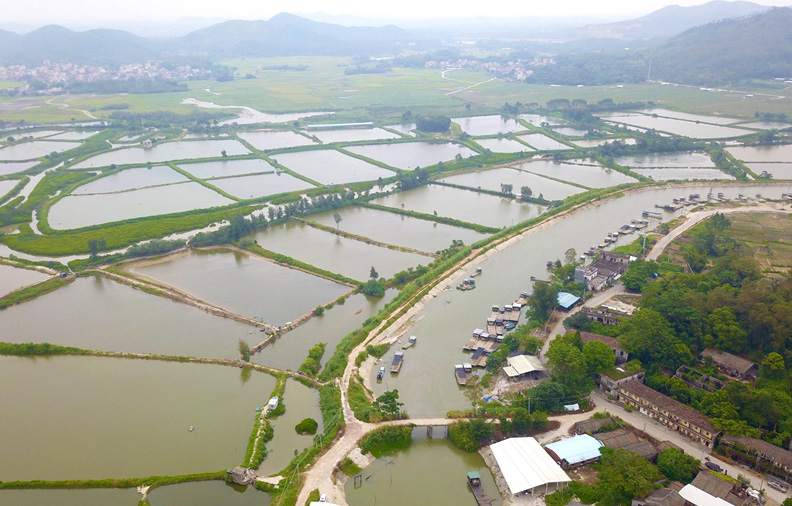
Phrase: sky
{"type": "Point", "coordinates": [90, 12]}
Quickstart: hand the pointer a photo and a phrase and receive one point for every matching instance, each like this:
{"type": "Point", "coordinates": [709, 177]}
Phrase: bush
{"type": "Point", "coordinates": [460, 434]}
{"type": "Point", "coordinates": [311, 365]}
{"type": "Point", "coordinates": [349, 468]}
{"type": "Point", "coordinates": [307, 426]}
{"type": "Point", "coordinates": [385, 440]}
{"type": "Point", "coordinates": [373, 288]}
{"type": "Point", "coordinates": [377, 351]}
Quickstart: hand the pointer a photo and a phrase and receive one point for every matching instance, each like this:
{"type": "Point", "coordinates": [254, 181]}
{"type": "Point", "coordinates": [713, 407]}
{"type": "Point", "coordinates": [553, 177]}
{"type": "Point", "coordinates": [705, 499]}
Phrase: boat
{"type": "Point", "coordinates": [510, 326]}
{"type": "Point", "coordinates": [459, 373]}
{"type": "Point", "coordinates": [476, 273]}
{"type": "Point", "coordinates": [410, 342]}
{"type": "Point", "coordinates": [466, 284]}
{"type": "Point", "coordinates": [381, 373]}
{"type": "Point", "coordinates": [398, 360]}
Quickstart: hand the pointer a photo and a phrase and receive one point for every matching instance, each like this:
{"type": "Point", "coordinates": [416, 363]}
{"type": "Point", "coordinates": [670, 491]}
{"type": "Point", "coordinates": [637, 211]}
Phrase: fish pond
{"type": "Point", "coordinates": [100, 417]}
{"type": "Point", "coordinates": [681, 127]}
{"type": "Point", "coordinates": [10, 168]}
{"type": "Point", "coordinates": [353, 135]}
{"type": "Point", "coordinates": [465, 205]}
{"type": "Point", "coordinates": [35, 149]}
{"type": "Point", "coordinates": [275, 139]}
{"type": "Point", "coordinates": [543, 142]}
{"type": "Point", "coordinates": [97, 313]}
{"type": "Point", "coordinates": [334, 253]}
{"type": "Point", "coordinates": [244, 284]}
{"type": "Point", "coordinates": [166, 151]}
{"type": "Point", "coordinates": [667, 160]}
{"type": "Point", "coordinates": [261, 185]}
{"type": "Point", "coordinates": [781, 153]}
{"type": "Point", "coordinates": [398, 229]}
{"type": "Point", "coordinates": [411, 155]}
{"type": "Point", "coordinates": [582, 173]}
{"type": "Point", "coordinates": [75, 211]}
{"type": "Point", "coordinates": [329, 166]}
{"type": "Point", "coordinates": [493, 178]}
{"type": "Point", "coordinates": [683, 174]}
{"type": "Point", "coordinates": [14, 278]}
{"type": "Point", "coordinates": [206, 492]}
{"type": "Point", "coordinates": [131, 179]}
{"type": "Point", "coordinates": [503, 145]}
{"type": "Point", "coordinates": [225, 168]}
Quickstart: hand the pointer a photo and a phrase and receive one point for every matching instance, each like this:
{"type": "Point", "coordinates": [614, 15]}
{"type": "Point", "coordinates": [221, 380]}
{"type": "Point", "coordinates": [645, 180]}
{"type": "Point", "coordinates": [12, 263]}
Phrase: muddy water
{"type": "Point", "coordinates": [398, 229]}
{"type": "Point", "coordinates": [429, 471]}
{"type": "Point", "coordinates": [244, 284]}
{"type": "Point", "coordinates": [14, 278]}
{"type": "Point", "coordinates": [463, 205]}
{"type": "Point", "coordinates": [209, 493]}
{"type": "Point", "coordinates": [289, 351]}
{"type": "Point", "coordinates": [99, 417]}
{"type": "Point", "coordinates": [79, 497]}
{"type": "Point", "coordinates": [301, 403]}
{"type": "Point", "coordinates": [328, 251]}
{"type": "Point", "coordinates": [100, 314]}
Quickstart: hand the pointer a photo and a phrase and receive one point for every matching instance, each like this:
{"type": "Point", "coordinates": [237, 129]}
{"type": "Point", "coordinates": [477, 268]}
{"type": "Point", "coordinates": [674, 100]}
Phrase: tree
{"type": "Point", "coordinates": [93, 246]}
{"type": "Point", "coordinates": [569, 365]}
{"type": "Point", "coordinates": [223, 153]}
{"type": "Point", "coordinates": [570, 256]}
{"type": "Point", "coordinates": [473, 392]}
{"type": "Point", "coordinates": [373, 288]}
{"type": "Point", "coordinates": [773, 367]}
{"type": "Point", "coordinates": [599, 357]}
{"type": "Point", "coordinates": [338, 219]}
{"type": "Point", "coordinates": [507, 188]}
{"type": "Point", "coordinates": [388, 404]}
{"type": "Point", "coordinates": [676, 466]}
{"type": "Point", "coordinates": [649, 337]}
{"type": "Point", "coordinates": [543, 300]}
{"type": "Point", "coordinates": [373, 274]}
{"type": "Point", "coordinates": [546, 396]}
{"type": "Point", "coordinates": [624, 475]}
{"type": "Point", "coordinates": [578, 321]}
{"type": "Point", "coordinates": [525, 192]}
{"type": "Point", "coordinates": [244, 350]}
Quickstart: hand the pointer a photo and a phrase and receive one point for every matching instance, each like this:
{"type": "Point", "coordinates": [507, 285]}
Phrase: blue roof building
{"type": "Point", "coordinates": [574, 451]}
{"type": "Point", "coordinates": [566, 300]}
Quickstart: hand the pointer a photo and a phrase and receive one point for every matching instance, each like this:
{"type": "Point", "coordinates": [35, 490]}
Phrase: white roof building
{"type": "Point", "coordinates": [698, 497]}
{"type": "Point", "coordinates": [525, 466]}
{"type": "Point", "coordinates": [522, 364]}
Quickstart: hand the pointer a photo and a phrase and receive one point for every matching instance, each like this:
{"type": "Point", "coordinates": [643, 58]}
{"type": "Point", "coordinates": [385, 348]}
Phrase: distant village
{"type": "Point", "coordinates": [518, 70]}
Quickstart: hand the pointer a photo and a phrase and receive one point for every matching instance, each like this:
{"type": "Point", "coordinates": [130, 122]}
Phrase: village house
{"type": "Point", "coordinates": [603, 271]}
{"type": "Point", "coordinates": [778, 457]}
{"type": "Point", "coordinates": [604, 315]}
{"type": "Point", "coordinates": [610, 380]}
{"type": "Point", "coordinates": [671, 413]}
{"type": "Point", "coordinates": [732, 365]}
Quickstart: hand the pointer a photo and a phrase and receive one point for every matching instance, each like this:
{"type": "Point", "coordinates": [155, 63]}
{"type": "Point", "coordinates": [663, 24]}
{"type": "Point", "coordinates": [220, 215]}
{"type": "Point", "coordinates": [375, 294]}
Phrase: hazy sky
{"type": "Point", "coordinates": [114, 11]}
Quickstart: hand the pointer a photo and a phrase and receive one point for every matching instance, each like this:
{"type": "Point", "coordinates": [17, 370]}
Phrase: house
{"type": "Point", "coordinates": [697, 379]}
{"type": "Point", "coordinates": [592, 426]}
{"type": "Point", "coordinates": [575, 451]}
{"type": "Point", "coordinates": [612, 342]}
{"type": "Point", "coordinates": [732, 365]}
{"type": "Point", "coordinates": [604, 315]}
{"type": "Point", "coordinates": [523, 365]}
{"type": "Point", "coordinates": [567, 300]}
{"type": "Point", "coordinates": [610, 380]}
{"type": "Point", "coordinates": [661, 497]}
{"type": "Point", "coordinates": [605, 270]}
{"type": "Point", "coordinates": [243, 475]}
{"type": "Point", "coordinates": [526, 467]}
{"type": "Point", "coordinates": [671, 413]}
{"type": "Point", "coordinates": [626, 440]}
{"type": "Point", "coordinates": [709, 489]}
{"type": "Point", "coordinates": [147, 144]}
{"type": "Point", "coordinates": [777, 456]}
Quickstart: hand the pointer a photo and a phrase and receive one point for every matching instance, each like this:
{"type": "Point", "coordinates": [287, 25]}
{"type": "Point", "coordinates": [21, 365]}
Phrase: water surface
{"type": "Point", "coordinates": [542, 142]}
{"type": "Point", "coordinates": [781, 153]}
{"type": "Point", "coordinates": [411, 155]}
{"type": "Point", "coordinates": [682, 174]}
{"type": "Point", "coordinates": [677, 160]}
{"type": "Point", "coordinates": [76, 497]}
{"type": "Point", "coordinates": [503, 145]}
{"type": "Point", "coordinates": [593, 176]}
{"type": "Point", "coordinates": [275, 139]}
{"type": "Point", "coordinates": [224, 168]}
{"type": "Point", "coordinates": [488, 125]}
{"type": "Point", "coordinates": [131, 179]}
{"type": "Point", "coordinates": [166, 151]}
{"type": "Point", "coordinates": [262, 185]}
{"type": "Point", "coordinates": [493, 178]}
{"type": "Point", "coordinates": [208, 493]}
{"type": "Point", "coordinates": [10, 168]}
{"type": "Point", "coordinates": [352, 134]}
{"type": "Point", "coordinates": [14, 278]}
{"type": "Point", "coordinates": [329, 166]}
{"type": "Point", "coordinates": [35, 149]}
{"type": "Point", "coordinates": [243, 284]}
{"type": "Point", "coordinates": [101, 417]}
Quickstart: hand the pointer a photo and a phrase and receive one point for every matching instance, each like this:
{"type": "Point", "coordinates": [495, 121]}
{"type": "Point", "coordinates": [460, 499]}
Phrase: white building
{"type": "Point", "coordinates": [526, 466]}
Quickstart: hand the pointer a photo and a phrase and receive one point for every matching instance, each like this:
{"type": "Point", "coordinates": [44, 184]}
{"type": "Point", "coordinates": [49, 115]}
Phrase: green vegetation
{"type": "Point", "coordinates": [310, 366]}
{"type": "Point", "coordinates": [307, 426]}
{"type": "Point", "coordinates": [35, 349]}
{"type": "Point", "coordinates": [349, 468]}
{"type": "Point", "coordinates": [677, 466]}
{"type": "Point", "coordinates": [470, 435]}
{"type": "Point", "coordinates": [387, 439]}
{"type": "Point", "coordinates": [359, 400]}
{"type": "Point", "coordinates": [373, 288]}
{"type": "Point", "coordinates": [151, 481]}
{"type": "Point", "coordinates": [377, 351]}
{"type": "Point", "coordinates": [31, 292]}
{"type": "Point", "coordinates": [314, 496]}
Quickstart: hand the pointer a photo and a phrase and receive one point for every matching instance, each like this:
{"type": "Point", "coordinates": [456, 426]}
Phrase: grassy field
{"type": "Point", "coordinates": [325, 87]}
{"type": "Point", "coordinates": [769, 236]}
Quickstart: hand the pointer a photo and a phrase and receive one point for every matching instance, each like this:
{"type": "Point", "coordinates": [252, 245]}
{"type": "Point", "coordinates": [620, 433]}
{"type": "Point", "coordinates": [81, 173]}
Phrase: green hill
{"type": "Point", "coordinates": [290, 35]}
{"type": "Point", "coordinates": [728, 51]}
{"type": "Point", "coordinates": [92, 47]}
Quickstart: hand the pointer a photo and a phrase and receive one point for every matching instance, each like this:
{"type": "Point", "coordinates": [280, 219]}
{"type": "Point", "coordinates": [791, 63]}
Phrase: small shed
{"type": "Point", "coordinates": [577, 450]}
{"type": "Point", "coordinates": [523, 364]}
{"type": "Point", "coordinates": [567, 300]}
{"type": "Point", "coordinates": [474, 478]}
{"type": "Point", "coordinates": [273, 403]}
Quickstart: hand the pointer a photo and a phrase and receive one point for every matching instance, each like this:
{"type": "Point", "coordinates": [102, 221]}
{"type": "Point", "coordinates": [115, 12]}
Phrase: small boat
{"type": "Point", "coordinates": [380, 374]}
{"type": "Point", "coordinates": [398, 360]}
{"type": "Point", "coordinates": [192, 429]}
{"type": "Point", "coordinates": [410, 342]}
{"type": "Point", "coordinates": [510, 326]}
{"type": "Point", "coordinates": [476, 273]}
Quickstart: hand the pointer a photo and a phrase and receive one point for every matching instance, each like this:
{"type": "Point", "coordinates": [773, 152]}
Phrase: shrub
{"type": "Point", "coordinates": [385, 440]}
{"type": "Point", "coordinates": [307, 426]}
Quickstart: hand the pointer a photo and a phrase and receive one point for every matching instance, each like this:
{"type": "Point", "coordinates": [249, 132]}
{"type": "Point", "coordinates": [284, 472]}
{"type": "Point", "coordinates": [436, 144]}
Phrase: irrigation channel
{"type": "Point", "coordinates": [97, 417]}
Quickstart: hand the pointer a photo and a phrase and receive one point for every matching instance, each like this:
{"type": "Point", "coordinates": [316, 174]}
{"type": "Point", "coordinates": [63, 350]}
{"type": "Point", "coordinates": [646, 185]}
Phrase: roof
{"type": "Point", "coordinates": [593, 425]}
{"type": "Point", "coordinates": [779, 455]}
{"type": "Point", "coordinates": [522, 364]}
{"type": "Point", "coordinates": [664, 497]}
{"type": "Point", "coordinates": [525, 465]}
{"type": "Point", "coordinates": [474, 475]}
{"type": "Point", "coordinates": [566, 300]}
{"type": "Point", "coordinates": [698, 497]}
{"type": "Point", "coordinates": [643, 448]}
{"type": "Point", "coordinates": [618, 438]}
{"type": "Point", "coordinates": [576, 449]}
{"type": "Point", "coordinates": [612, 342]}
{"type": "Point", "coordinates": [712, 485]}
{"type": "Point", "coordinates": [728, 360]}
{"type": "Point", "coordinates": [668, 404]}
